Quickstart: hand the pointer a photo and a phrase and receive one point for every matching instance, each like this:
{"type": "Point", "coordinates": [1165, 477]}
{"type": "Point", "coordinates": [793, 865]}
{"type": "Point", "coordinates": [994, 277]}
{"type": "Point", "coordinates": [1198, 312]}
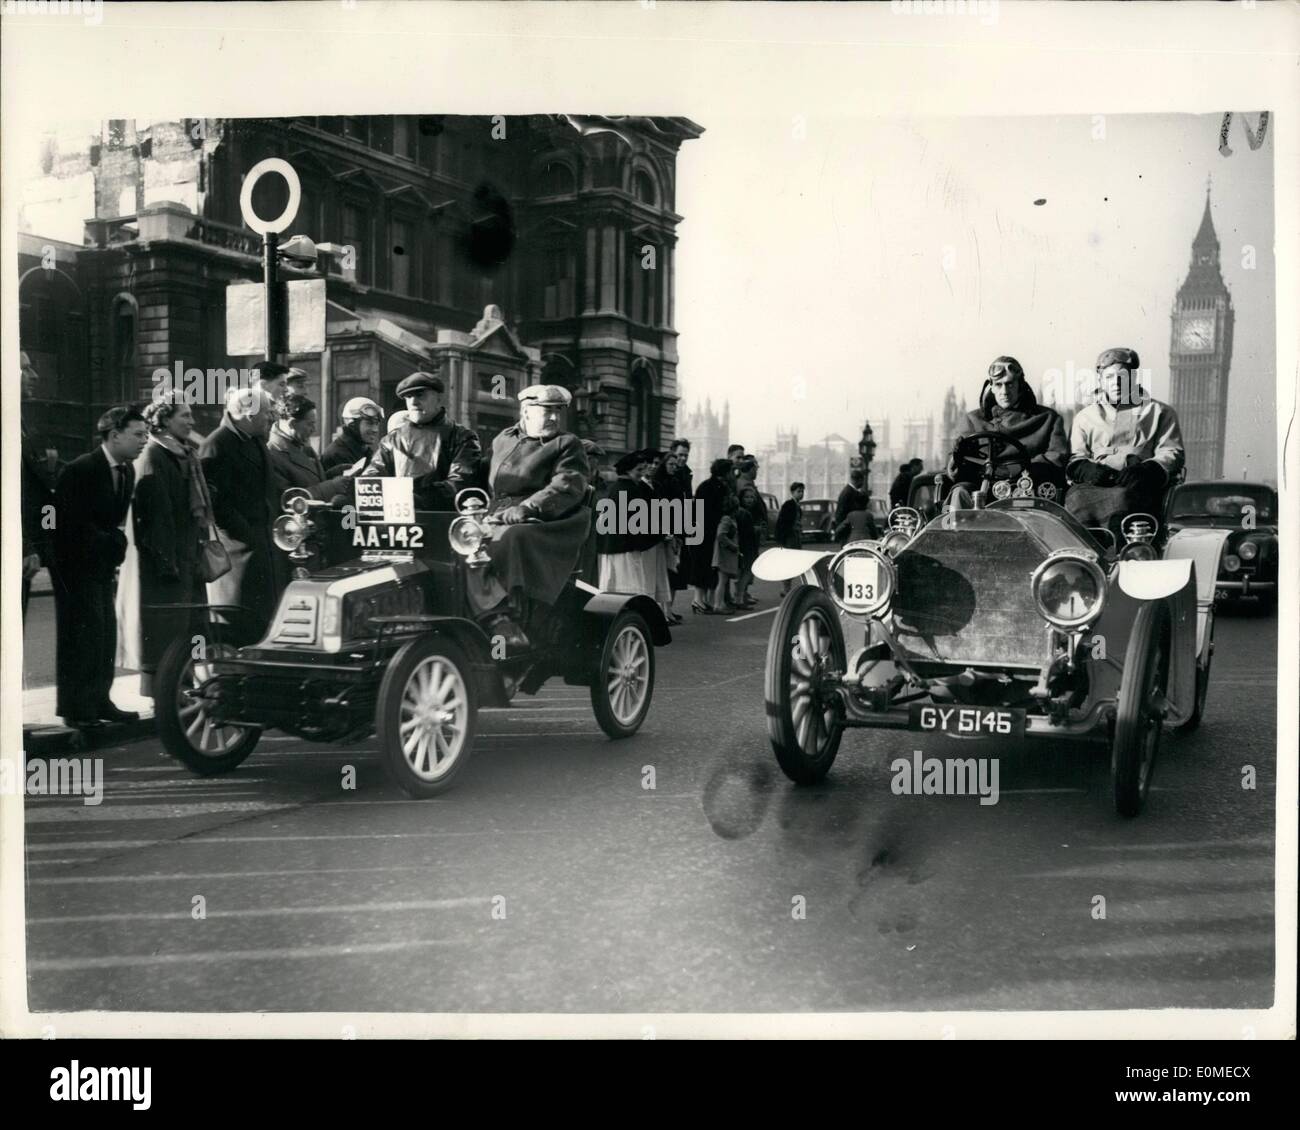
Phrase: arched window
{"type": "Point", "coordinates": [642, 420]}
{"type": "Point", "coordinates": [643, 188]}
{"type": "Point", "coordinates": [559, 370]}
{"type": "Point", "coordinates": [122, 360]}
{"type": "Point", "coordinates": [558, 267]}
{"type": "Point", "coordinates": [556, 180]}
{"type": "Point", "coordinates": [52, 332]}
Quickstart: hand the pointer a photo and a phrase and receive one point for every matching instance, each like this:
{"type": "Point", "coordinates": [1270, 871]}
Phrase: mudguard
{"type": "Point", "coordinates": [1153, 580]}
{"type": "Point", "coordinates": [781, 564]}
{"type": "Point", "coordinates": [1174, 583]}
{"type": "Point", "coordinates": [605, 606]}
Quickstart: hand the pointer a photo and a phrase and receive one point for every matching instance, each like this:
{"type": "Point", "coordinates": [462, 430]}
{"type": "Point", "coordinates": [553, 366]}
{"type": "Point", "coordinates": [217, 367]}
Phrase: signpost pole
{"type": "Point", "coordinates": [270, 243]}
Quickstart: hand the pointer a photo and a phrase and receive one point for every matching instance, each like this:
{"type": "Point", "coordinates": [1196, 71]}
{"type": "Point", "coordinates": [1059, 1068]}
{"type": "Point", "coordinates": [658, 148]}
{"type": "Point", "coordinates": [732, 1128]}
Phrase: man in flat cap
{"type": "Point", "coordinates": [539, 517]}
{"type": "Point", "coordinates": [442, 457]}
{"type": "Point", "coordinates": [1125, 447]}
{"type": "Point", "coordinates": [295, 380]}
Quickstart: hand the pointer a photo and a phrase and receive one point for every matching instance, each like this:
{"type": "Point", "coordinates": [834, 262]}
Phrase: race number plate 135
{"type": "Point", "coordinates": [384, 500]}
{"type": "Point", "coordinates": [968, 721]}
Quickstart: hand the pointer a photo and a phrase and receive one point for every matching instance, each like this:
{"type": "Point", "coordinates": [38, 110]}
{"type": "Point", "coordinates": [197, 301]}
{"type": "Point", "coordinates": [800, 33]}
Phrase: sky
{"type": "Point", "coordinates": [858, 270]}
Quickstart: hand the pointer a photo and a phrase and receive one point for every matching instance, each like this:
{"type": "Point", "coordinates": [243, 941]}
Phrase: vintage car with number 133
{"type": "Point", "coordinates": [1005, 621]}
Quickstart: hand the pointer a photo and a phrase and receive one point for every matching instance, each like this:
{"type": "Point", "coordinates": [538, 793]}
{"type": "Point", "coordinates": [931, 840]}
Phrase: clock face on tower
{"type": "Point", "coordinates": [1196, 335]}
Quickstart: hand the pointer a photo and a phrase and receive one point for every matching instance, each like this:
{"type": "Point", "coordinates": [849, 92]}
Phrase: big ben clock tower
{"type": "Point", "coordinates": [1200, 351]}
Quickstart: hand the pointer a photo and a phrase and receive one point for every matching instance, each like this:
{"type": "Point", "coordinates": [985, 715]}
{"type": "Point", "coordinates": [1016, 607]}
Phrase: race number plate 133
{"type": "Point", "coordinates": [861, 580]}
{"type": "Point", "coordinates": [968, 721]}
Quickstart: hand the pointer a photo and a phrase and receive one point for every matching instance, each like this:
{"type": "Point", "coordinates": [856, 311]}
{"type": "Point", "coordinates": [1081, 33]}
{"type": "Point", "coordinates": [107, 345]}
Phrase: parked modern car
{"type": "Point", "coordinates": [817, 515]}
{"type": "Point", "coordinates": [1249, 512]}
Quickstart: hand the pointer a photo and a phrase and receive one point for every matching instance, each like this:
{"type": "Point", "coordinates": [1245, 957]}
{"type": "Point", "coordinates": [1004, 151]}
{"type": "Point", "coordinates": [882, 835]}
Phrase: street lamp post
{"type": "Point", "coordinates": [867, 451]}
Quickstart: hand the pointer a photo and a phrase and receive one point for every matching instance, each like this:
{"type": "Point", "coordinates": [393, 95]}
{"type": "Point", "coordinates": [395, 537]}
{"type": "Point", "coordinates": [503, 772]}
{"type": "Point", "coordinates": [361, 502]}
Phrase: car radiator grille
{"type": "Point", "coordinates": [963, 597]}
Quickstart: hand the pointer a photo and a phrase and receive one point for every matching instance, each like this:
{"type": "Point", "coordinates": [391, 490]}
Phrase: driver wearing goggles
{"type": "Point", "coordinates": [1007, 404]}
{"type": "Point", "coordinates": [356, 440]}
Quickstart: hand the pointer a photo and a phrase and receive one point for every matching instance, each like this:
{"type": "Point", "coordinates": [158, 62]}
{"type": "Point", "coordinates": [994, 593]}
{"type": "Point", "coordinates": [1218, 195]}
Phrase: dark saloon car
{"type": "Point", "coordinates": [817, 515]}
{"type": "Point", "coordinates": [1248, 568]}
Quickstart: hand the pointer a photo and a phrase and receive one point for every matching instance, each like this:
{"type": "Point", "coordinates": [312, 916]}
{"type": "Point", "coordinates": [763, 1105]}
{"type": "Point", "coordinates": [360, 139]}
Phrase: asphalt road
{"type": "Point", "coordinates": [550, 879]}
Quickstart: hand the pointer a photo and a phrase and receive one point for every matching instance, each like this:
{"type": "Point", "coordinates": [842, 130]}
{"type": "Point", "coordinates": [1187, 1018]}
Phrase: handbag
{"type": "Point", "coordinates": [214, 558]}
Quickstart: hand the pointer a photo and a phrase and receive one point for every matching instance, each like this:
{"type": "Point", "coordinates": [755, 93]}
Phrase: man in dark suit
{"type": "Point", "coordinates": [789, 524]}
{"type": "Point", "coordinates": [237, 469]}
{"type": "Point", "coordinates": [91, 501]}
{"type": "Point", "coordinates": [901, 487]}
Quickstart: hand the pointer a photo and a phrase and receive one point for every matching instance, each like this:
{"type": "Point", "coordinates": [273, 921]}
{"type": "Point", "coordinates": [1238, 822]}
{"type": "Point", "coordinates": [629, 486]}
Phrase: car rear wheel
{"type": "Point", "coordinates": [425, 716]}
{"type": "Point", "coordinates": [806, 646]}
{"type": "Point", "coordinates": [1141, 708]}
{"type": "Point", "coordinates": [185, 725]}
{"type": "Point", "coordinates": [625, 679]}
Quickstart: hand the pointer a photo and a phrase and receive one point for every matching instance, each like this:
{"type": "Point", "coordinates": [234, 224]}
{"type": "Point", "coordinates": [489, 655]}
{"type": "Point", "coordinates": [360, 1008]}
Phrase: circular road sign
{"type": "Point", "coordinates": [256, 173]}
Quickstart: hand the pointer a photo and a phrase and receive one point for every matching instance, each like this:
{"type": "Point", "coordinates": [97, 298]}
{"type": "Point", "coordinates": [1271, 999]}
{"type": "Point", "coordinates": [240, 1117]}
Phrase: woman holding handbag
{"type": "Point", "coordinates": [173, 533]}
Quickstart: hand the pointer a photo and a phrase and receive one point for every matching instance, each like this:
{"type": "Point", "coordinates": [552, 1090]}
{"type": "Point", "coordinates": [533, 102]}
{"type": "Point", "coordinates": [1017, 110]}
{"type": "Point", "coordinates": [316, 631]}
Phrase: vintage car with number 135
{"type": "Point", "coordinates": [376, 632]}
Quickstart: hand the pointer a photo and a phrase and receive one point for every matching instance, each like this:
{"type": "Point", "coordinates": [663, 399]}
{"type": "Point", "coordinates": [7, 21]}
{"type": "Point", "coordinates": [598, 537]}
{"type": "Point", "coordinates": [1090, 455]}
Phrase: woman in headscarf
{"type": "Point", "coordinates": [172, 514]}
{"type": "Point", "coordinates": [668, 484]}
{"type": "Point", "coordinates": [1008, 405]}
{"type": "Point", "coordinates": [703, 575]}
{"type": "Point", "coordinates": [539, 517]}
{"type": "Point", "coordinates": [622, 561]}
{"type": "Point", "coordinates": [655, 555]}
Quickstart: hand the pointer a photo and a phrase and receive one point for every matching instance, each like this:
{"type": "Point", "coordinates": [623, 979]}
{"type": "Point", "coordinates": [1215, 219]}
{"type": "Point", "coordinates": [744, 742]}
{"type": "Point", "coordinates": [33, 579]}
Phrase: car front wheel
{"type": "Point", "coordinates": [1141, 708]}
{"type": "Point", "coordinates": [185, 725]}
{"type": "Point", "coordinates": [425, 716]}
{"type": "Point", "coordinates": [805, 651]}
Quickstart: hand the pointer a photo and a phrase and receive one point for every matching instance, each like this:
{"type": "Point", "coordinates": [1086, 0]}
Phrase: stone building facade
{"type": "Point", "coordinates": [709, 432]}
{"type": "Point", "coordinates": [822, 467]}
{"type": "Point", "coordinates": [511, 249]}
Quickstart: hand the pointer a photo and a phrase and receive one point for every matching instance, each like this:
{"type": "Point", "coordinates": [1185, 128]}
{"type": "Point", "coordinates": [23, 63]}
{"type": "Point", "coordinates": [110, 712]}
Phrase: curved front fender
{"type": "Point", "coordinates": [605, 606]}
{"type": "Point", "coordinates": [1153, 580]}
{"type": "Point", "coordinates": [780, 564]}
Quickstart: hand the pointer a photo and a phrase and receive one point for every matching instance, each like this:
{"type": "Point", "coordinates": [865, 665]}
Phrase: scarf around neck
{"type": "Point", "coordinates": [200, 503]}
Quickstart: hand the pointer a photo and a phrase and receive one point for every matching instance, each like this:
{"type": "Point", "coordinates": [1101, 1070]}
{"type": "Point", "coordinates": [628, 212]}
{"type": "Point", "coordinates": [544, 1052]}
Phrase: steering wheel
{"type": "Point", "coordinates": [982, 447]}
